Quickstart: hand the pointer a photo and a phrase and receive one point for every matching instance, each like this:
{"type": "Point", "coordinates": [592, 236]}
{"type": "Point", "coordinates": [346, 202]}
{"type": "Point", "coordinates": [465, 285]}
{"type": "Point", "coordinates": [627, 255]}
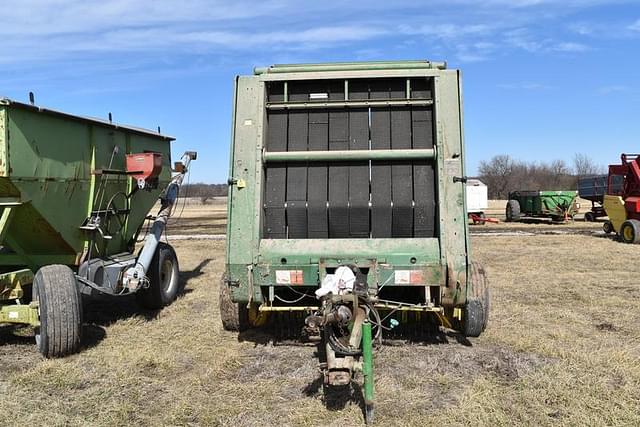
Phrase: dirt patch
{"type": "Point", "coordinates": [433, 375]}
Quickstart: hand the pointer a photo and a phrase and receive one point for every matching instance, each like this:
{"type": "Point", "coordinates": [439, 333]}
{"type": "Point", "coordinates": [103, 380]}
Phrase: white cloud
{"type": "Point", "coordinates": [608, 90]}
{"type": "Point", "coordinates": [447, 30]}
{"type": "Point", "coordinates": [635, 26]}
{"type": "Point", "coordinates": [50, 17]}
{"type": "Point", "coordinates": [522, 39]}
{"type": "Point", "coordinates": [582, 28]}
{"type": "Point", "coordinates": [50, 30]}
{"type": "Point", "coordinates": [569, 47]}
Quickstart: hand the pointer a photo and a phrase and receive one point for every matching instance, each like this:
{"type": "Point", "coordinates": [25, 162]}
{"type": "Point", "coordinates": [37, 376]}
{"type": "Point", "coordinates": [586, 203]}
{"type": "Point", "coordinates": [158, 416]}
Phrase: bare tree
{"type": "Point", "coordinates": [502, 174]}
{"type": "Point", "coordinates": [583, 165]}
{"type": "Point", "coordinates": [498, 174]}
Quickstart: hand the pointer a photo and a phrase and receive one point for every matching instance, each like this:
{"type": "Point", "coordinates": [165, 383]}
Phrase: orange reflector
{"type": "Point", "coordinates": [289, 277]}
{"type": "Point", "coordinates": [409, 277]}
{"type": "Point", "coordinates": [416, 277]}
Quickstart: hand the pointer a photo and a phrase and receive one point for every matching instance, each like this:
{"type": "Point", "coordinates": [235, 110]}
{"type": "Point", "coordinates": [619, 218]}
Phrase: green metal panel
{"type": "Point", "coordinates": [48, 160]}
{"type": "Point", "coordinates": [242, 232]}
{"type": "Point", "coordinates": [453, 224]}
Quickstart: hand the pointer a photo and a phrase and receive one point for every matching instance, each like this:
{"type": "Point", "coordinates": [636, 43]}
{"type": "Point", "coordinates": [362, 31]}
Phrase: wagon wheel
{"type": "Point", "coordinates": [630, 231]}
{"type": "Point", "coordinates": [60, 311]}
{"type": "Point", "coordinates": [607, 227]}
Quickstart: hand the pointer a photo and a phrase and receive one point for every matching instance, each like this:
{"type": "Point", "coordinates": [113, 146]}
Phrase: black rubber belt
{"type": "Point", "coordinates": [317, 177]}
{"type": "Point", "coordinates": [297, 176]}
{"type": "Point", "coordinates": [359, 171]}
{"type": "Point", "coordinates": [338, 176]}
{"type": "Point", "coordinates": [275, 178]}
{"type": "Point", "coordinates": [401, 175]}
{"type": "Point", "coordinates": [338, 172]}
{"type": "Point", "coordinates": [380, 170]}
{"type": "Point", "coordinates": [380, 174]}
{"type": "Point", "coordinates": [359, 175]}
{"type": "Point", "coordinates": [423, 174]}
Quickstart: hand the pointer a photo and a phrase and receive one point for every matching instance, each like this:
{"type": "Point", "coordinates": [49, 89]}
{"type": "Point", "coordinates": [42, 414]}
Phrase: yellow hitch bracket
{"type": "Point", "coordinates": [443, 320]}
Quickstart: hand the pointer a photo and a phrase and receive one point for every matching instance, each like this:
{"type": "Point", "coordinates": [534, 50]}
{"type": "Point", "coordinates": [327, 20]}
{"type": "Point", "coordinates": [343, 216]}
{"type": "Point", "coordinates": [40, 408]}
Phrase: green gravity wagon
{"type": "Point", "coordinates": [556, 205]}
{"type": "Point", "coordinates": [74, 196]}
{"type": "Point", "coordinates": [347, 208]}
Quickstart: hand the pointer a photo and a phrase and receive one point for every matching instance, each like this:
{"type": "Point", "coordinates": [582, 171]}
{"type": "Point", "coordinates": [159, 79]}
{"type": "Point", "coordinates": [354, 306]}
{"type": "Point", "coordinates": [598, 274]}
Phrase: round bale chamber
{"type": "Point", "coordinates": [357, 164]}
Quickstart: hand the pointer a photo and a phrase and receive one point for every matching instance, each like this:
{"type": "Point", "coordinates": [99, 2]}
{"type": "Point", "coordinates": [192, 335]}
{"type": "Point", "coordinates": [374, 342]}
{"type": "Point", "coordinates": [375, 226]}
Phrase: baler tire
{"type": "Point", "coordinates": [60, 311]}
{"type": "Point", "coordinates": [235, 317]}
{"type": "Point", "coordinates": [473, 316]}
{"type": "Point", "coordinates": [481, 290]}
{"type": "Point", "coordinates": [163, 289]}
{"type": "Point", "coordinates": [630, 231]}
{"type": "Point", "coordinates": [478, 306]}
{"type": "Point", "coordinates": [513, 211]}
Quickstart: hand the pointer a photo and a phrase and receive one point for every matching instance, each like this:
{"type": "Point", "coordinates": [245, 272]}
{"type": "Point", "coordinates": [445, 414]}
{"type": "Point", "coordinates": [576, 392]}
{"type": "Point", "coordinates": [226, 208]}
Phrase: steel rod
{"type": "Point", "coordinates": [348, 155]}
{"type": "Point", "coordinates": [305, 68]}
{"type": "Point", "coordinates": [347, 104]}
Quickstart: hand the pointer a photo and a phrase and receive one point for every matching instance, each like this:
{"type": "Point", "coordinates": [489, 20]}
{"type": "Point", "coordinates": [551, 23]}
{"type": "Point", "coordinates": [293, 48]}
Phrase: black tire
{"type": "Point", "coordinates": [607, 227]}
{"type": "Point", "coordinates": [164, 279]}
{"type": "Point", "coordinates": [234, 316]}
{"type": "Point", "coordinates": [589, 217]}
{"type": "Point", "coordinates": [513, 211]}
{"type": "Point", "coordinates": [478, 306]}
{"type": "Point", "coordinates": [630, 231]}
{"type": "Point", "coordinates": [60, 308]}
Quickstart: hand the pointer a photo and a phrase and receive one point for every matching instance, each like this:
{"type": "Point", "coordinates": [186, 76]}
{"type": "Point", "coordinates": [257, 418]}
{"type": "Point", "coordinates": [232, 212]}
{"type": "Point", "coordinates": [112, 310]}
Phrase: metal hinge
{"type": "Point", "coordinates": [240, 183]}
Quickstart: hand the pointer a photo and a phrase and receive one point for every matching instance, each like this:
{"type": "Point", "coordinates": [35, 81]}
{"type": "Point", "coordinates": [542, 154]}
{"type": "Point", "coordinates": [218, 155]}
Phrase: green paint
{"type": "Point", "coordinates": [51, 157]}
{"type": "Point", "coordinates": [367, 369]}
{"type": "Point", "coordinates": [11, 284]}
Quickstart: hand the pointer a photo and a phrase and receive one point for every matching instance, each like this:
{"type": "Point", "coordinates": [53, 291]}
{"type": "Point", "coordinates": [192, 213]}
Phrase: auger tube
{"type": "Point", "coordinates": [168, 199]}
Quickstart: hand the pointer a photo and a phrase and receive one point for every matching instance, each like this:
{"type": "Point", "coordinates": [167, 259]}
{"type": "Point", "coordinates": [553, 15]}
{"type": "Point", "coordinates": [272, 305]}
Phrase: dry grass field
{"type": "Point", "coordinates": [562, 348]}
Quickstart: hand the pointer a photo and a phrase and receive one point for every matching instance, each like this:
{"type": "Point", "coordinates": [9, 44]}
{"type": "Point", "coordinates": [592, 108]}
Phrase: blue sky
{"type": "Point", "coordinates": [543, 79]}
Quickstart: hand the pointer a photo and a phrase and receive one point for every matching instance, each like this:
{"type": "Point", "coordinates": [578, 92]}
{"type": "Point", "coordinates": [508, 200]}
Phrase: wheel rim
{"type": "Point", "coordinates": [627, 233]}
{"type": "Point", "coordinates": [167, 276]}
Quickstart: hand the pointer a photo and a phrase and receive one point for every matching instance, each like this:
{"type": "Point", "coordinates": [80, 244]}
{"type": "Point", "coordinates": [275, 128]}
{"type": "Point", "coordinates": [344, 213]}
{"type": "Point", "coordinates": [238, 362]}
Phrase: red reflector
{"type": "Point", "coordinates": [415, 278]}
{"type": "Point", "coordinates": [289, 277]}
{"type": "Point", "coordinates": [409, 277]}
{"type": "Point", "coordinates": [297, 277]}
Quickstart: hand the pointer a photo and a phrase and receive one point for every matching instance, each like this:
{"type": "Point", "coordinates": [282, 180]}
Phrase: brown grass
{"type": "Point", "coordinates": [562, 348]}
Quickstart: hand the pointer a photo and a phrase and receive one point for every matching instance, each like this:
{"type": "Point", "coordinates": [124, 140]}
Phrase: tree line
{"type": "Point", "coordinates": [204, 192]}
{"type": "Point", "coordinates": [503, 174]}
